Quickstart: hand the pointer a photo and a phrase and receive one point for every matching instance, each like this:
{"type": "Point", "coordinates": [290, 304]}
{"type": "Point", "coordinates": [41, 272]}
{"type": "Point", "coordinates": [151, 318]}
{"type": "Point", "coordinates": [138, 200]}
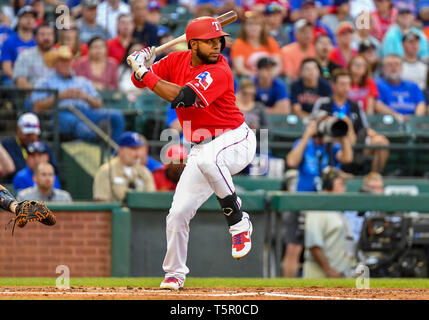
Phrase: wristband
{"type": "Point", "coordinates": [150, 79]}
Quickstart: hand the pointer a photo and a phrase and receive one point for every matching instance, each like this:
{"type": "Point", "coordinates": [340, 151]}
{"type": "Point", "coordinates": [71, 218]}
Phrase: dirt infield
{"type": "Point", "coordinates": [128, 293]}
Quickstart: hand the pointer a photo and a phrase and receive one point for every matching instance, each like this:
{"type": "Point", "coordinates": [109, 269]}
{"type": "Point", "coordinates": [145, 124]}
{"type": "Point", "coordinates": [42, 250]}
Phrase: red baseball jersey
{"type": "Point", "coordinates": [215, 111]}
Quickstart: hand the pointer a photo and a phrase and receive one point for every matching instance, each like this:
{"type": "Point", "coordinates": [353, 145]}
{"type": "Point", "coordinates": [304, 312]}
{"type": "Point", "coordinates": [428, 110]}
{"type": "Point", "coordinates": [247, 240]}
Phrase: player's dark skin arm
{"type": "Point", "coordinates": [7, 201]}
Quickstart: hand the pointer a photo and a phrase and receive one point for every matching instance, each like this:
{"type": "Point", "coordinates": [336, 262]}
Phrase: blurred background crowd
{"type": "Point", "coordinates": [337, 83]}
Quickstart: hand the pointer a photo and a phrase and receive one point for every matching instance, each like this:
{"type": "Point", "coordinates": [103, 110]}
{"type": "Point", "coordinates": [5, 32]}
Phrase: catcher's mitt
{"type": "Point", "coordinates": [29, 211]}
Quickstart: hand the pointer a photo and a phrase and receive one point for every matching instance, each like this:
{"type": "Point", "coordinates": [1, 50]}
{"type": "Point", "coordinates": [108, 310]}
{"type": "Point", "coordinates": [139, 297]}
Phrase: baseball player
{"type": "Point", "coordinates": [25, 211]}
{"type": "Point", "coordinates": [199, 84]}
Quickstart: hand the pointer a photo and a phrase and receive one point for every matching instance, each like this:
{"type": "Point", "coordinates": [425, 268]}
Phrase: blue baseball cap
{"type": "Point", "coordinates": [130, 139]}
{"type": "Point", "coordinates": [405, 7]}
{"type": "Point", "coordinates": [37, 147]}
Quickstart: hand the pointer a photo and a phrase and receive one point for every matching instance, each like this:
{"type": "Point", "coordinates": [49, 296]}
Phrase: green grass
{"type": "Point", "coordinates": [217, 282]}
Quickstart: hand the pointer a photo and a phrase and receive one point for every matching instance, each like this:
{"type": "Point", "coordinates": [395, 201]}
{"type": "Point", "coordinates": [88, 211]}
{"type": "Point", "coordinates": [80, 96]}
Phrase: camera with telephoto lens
{"type": "Point", "coordinates": [330, 126]}
{"type": "Point", "coordinates": [395, 245]}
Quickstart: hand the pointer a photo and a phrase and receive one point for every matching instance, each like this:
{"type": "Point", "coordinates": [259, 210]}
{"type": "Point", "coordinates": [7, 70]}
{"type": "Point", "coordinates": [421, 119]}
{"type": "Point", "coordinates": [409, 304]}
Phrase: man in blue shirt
{"type": "Point", "coordinates": [77, 92]}
{"type": "Point", "coordinates": [17, 42]}
{"type": "Point", "coordinates": [271, 91]}
{"type": "Point", "coordinates": [397, 97]}
{"type": "Point", "coordinates": [37, 154]}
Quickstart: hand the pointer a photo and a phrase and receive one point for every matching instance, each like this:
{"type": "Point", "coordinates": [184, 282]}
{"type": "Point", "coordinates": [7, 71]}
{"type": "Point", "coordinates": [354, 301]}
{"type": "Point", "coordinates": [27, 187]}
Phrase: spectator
{"type": "Point", "coordinates": [253, 111]}
{"type": "Point", "coordinates": [253, 43]}
{"type": "Point", "coordinates": [125, 84]}
{"type": "Point", "coordinates": [341, 12]}
{"type": "Point", "coordinates": [17, 42]}
{"type": "Point", "coordinates": [310, 155]}
{"type": "Point", "coordinates": [69, 36]}
{"type": "Point", "coordinates": [274, 15]}
{"type": "Point", "coordinates": [118, 45]}
{"type": "Point", "coordinates": [167, 177]}
{"type": "Point", "coordinates": [44, 177]}
{"type": "Point", "coordinates": [108, 13]}
{"type": "Point", "coordinates": [153, 17]}
{"type": "Point", "coordinates": [369, 51]}
{"type": "Point", "coordinates": [414, 69]}
{"type": "Point", "coordinates": [343, 53]}
{"type": "Point", "coordinates": [293, 54]}
{"type": "Point", "coordinates": [323, 47]}
{"type": "Point", "coordinates": [308, 88]}
{"type": "Point", "coordinates": [10, 12]}
{"type": "Point", "coordinates": [392, 42]}
{"type": "Point", "coordinates": [357, 7]}
{"type": "Point", "coordinates": [329, 242]}
{"type": "Point", "coordinates": [101, 69]}
{"type": "Point", "coordinates": [30, 66]}
{"type": "Point", "coordinates": [39, 8]}
{"type": "Point", "coordinates": [364, 89]}
{"type": "Point", "coordinates": [124, 172]}
{"type": "Point", "coordinates": [27, 132]}
{"type": "Point", "coordinates": [37, 154]}
{"type": "Point", "coordinates": [6, 163]}
{"type": "Point", "coordinates": [362, 35]}
{"type": "Point", "coordinates": [322, 7]}
{"type": "Point", "coordinates": [87, 24]}
{"type": "Point", "coordinates": [145, 32]}
{"type": "Point", "coordinates": [78, 92]}
{"type": "Point", "coordinates": [145, 158]}
{"type": "Point", "coordinates": [399, 98]}
{"type": "Point", "coordinates": [382, 18]}
{"type": "Point", "coordinates": [352, 113]}
{"type": "Point", "coordinates": [310, 11]}
{"type": "Point", "coordinates": [271, 91]}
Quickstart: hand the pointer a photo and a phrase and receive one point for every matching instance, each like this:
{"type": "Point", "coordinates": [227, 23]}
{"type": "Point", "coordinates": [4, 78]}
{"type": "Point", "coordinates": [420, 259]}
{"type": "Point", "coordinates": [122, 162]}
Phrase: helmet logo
{"type": "Point", "coordinates": [216, 24]}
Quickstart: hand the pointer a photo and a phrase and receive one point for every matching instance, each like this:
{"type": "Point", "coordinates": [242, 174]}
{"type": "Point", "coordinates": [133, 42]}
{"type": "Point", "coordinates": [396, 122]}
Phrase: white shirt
{"type": "Point", "coordinates": [416, 72]}
{"type": "Point", "coordinates": [107, 17]}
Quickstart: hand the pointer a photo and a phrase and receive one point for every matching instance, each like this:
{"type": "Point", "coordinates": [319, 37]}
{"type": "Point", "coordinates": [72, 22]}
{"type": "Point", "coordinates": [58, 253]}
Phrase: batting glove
{"type": "Point", "coordinates": [141, 61]}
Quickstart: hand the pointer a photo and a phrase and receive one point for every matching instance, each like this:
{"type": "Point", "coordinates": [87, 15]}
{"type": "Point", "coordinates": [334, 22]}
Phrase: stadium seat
{"type": "Point", "coordinates": [285, 127]}
{"type": "Point", "coordinates": [153, 112]}
{"type": "Point", "coordinates": [418, 128]}
{"type": "Point", "coordinates": [389, 127]}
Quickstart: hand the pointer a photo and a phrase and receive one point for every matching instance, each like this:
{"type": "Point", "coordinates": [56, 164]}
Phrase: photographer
{"type": "Point", "coordinates": [352, 113]}
{"type": "Point", "coordinates": [310, 155]}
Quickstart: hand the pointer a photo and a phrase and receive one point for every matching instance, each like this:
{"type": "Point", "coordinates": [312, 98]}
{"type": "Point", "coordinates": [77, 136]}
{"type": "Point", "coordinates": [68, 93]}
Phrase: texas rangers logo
{"type": "Point", "coordinates": [205, 79]}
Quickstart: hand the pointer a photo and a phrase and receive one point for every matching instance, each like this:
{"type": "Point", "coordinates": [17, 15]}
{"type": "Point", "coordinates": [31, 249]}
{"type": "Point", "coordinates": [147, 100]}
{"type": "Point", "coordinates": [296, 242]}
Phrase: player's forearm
{"type": "Point", "coordinates": [167, 90]}
{"type": "Point", "coordinates": [7, 201]}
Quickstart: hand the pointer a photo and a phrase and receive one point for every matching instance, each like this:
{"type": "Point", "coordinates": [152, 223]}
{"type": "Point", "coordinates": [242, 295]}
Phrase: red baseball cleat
{"type": "Point", "coordinates": [171, 283]}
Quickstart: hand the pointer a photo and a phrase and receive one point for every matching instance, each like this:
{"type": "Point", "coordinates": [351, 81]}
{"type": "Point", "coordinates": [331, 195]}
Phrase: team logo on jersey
{"type": "Point", "coordinates": [204, 79]}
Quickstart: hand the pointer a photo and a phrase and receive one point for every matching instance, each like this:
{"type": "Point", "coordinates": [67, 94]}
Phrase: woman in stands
{"type": "Point", "coordinates": [253, 43]}
{"type": "Point", "coordinates": [97, 66]}
{"type": "Point", "coordinates": [364, 89]}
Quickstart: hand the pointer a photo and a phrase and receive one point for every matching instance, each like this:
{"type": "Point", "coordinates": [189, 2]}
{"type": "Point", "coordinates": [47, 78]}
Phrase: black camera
{"type": "Point", "coordinates": [395, 245]}
{"type": "Point", "coordinates": [330, 126]}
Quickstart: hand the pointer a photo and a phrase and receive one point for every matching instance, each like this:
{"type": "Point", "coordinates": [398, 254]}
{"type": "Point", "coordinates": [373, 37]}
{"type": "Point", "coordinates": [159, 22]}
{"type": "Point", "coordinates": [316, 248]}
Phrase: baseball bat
{"type": "Point", "coordinates": [223, 19]}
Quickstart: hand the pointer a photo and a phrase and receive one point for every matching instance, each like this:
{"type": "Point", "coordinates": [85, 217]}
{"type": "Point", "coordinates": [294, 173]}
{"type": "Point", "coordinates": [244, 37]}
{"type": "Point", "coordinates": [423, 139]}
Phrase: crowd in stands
{"type": "Point", "coordinates": [313, 59]}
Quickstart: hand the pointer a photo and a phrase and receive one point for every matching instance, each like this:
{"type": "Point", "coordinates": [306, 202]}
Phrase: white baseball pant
{"type": "Point", "coordinates": [209, 169]}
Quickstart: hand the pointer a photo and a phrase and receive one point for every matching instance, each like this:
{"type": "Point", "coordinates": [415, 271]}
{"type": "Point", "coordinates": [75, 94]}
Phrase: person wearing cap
{"type": "Point", "coordinates": [271, 91]}
{"type": "Point", "coordinates": [17, 42]}
{"type": "Point", "coordinates": [27, 132]}
{"type": "Point", "coordinates": [30, 65]}
{"type": "Point", "coordinates": [274, 14]}
{"type": "Point", "coordinates": [399, 98]}
{"type": "Point", "coordinates": [413, 68]}
{"type": "Point", "coordinates": [363, 35]}
{"type": "Point", "coordinates": [382, 18]}
{"type": "Point", "coordinates": [294, 53]}
{"type": "Point", "coordinates": [87, 24]}
{"type": "Point", "coordinates": [341, 12]}
{"type": "Point", "coordinates": [74, 91]}
{"type": "Point", "coordinates": [296, 7]}
{"type": "Point", "coordinates": [37, 154]}
{"type": "Point", "coordinates": [199, 84]}
{"type": "Point", "coordinates": [145, 32]}
{"type": "Point", "coordinates": [392, 42]}
{"type": "Point", "coordinates": [108, 12]}
{"type": "Point", "coordinates": [369, 51]}
{"type": "Point", "coordinates": [252, 43]}
{"type": "Point", "coordinates": [329, 239]}
{"type": "Point", "coordinates": [124, 172]}
{"type": "Point", "coordinates": [44, 190]}
{"type": "Point", "coordinates": [153, 17]}
{"type": "Point", "coordinates": [167, 177]}
{"type": "Point", "coordinates": [344, 51]}
{"type": "Point", "coordinates": [309, 87]}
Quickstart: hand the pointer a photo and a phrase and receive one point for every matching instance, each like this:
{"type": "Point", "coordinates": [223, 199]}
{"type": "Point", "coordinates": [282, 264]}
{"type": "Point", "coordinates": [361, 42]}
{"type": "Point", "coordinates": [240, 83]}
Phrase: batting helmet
{"type": "Point", "coordinates": [204, 28]}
